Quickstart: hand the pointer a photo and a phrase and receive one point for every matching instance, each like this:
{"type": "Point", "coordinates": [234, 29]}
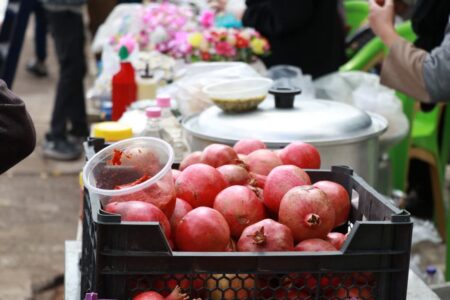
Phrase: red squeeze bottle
{"type": "Point", "coordinates": [123, 86]}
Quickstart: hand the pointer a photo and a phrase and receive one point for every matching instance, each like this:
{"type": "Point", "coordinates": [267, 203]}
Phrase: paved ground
{"type": "Point", "coordinates": [39, 199]}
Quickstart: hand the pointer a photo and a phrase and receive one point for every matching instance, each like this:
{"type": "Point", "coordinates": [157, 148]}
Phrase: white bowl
{"type": "Point", "coordinates": [239, 94]}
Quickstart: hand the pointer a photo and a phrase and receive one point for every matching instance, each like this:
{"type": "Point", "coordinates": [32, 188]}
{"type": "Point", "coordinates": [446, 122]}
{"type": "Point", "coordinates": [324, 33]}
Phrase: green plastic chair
{"type": "Point", "coordinates": [356, 13]}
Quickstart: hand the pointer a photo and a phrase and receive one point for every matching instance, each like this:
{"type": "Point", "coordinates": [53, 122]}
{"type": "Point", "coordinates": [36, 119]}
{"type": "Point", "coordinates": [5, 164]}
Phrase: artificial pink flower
{"type": "Point", "coordinates": [207, 18]}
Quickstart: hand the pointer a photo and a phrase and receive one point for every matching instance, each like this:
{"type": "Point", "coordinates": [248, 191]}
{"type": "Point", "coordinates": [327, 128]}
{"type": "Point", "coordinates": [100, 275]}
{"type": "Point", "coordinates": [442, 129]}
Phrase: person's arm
{"type": "Point", "coordinates": [402, 68]}
{"type": "Point", "coordinates": [277, 17]}
{"type": "Point", "coordinates": [436, 71]}
{"type": "Point", "coordinates": [17, 134]}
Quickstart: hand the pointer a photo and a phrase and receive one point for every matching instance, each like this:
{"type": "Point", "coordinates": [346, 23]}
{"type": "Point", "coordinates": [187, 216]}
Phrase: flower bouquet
{"type": "Point", "coordinates": [176, 31]}
{"type": "Point", "coordinates": [221, 44]}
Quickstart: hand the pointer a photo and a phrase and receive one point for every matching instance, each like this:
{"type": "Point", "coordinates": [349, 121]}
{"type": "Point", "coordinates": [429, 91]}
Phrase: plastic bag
{"type": "Point", "coordinates": [125, 18]}
{"type": "Point", "coordinates": [364, 91]}
{"type": "Point", "coordinates": [188, 91]}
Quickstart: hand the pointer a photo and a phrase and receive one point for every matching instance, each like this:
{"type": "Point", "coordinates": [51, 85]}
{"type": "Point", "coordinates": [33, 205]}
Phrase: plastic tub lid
{"type": "Point", "coordinates": [112, 131]}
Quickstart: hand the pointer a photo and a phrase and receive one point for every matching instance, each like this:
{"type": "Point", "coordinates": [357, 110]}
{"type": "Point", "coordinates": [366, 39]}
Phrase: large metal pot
{"type": "Point", "coordinates": [343, 134]}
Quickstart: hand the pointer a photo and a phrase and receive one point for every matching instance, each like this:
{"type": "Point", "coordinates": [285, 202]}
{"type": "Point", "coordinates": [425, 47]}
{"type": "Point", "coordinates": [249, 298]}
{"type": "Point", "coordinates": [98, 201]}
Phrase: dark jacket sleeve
{"type": "Point", "coordinates": [277, 17]}
{"type": "Point", "coordinates": [17, 134]}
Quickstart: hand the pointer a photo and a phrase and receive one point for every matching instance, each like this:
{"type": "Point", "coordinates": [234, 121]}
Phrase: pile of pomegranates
{"type": "Point", "coordinates": [265, 197]}
{"type": "Point", "coordinates": [248, 198]}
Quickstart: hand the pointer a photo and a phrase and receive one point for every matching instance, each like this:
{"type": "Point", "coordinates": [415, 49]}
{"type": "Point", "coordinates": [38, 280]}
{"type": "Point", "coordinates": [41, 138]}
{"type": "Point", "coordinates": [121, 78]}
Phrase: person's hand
{"type": "Point", "coordinates": [381, 19]}
{"type": "Point", "coordinates": [218, 5]}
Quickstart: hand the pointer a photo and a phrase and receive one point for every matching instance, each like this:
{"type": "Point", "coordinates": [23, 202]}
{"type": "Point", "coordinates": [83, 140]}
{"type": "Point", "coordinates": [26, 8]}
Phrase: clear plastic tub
{"type": "Point", "coordinates": [240, 94]}
{"type": "Point", "coordinates": [133, 169]}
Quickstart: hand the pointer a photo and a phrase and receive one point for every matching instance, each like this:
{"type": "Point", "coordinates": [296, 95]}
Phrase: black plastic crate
{"type": "Point", "coordinates": [121, 259]}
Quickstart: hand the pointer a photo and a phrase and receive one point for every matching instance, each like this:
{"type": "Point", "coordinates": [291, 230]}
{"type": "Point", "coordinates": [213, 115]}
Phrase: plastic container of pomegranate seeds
{"type": "Point", "coordinates": [121, 259]}
{"type": "Point", "coordinates": [132, 169]}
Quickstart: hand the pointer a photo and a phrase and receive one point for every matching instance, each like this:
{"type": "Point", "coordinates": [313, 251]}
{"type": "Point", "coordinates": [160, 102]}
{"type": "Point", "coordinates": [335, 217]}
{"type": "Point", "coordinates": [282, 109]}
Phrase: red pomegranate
{"type": "Point", "coordinates": [175, 174]}
{"type": "Point", "coordinates": [138, 211]}
{"type": "Point", "coordinates": [144, 160]}
{"type": "Point", "coordinates": [266, 235]}
{"type": "Point", "coordinates": [337, 239]}
{"type": "Point", "coordinates": [217, 155]}
{"type": "Point", "coordinates": [355, 294]}
{"type": "Point", "coordinates": [248, 146]}
{"type": "Point", "coordinates": [314, 245]}
{"type": "Point", "coordinates": [161, 194]}
{"type": "Point", "coordinates": [191, 159]}
{"type": "Point", "coordinates": [258, 180]}
{"type": "Point", "coordinates": [240, 207]}
{"type": "Point", "coordinates": [181, 209]}
{"type": "Point", "coordinates": [234, 174]}
{"type": "Point", "coordinates": [199, 185]}
{"type": "Point", "coordinates": [301, 154]}
{"type": "Point", "coordinates": [307, 211]}
{"type": "Point", "coordinates": [338, 196]}
{"type": "Point", "coordinates": [263, 161]}
{"type": "Point", "coordinates": [203, 230]}
{"type": "Point", "coordinates": [280, 181]}
{"type": "Point", "coordinates": [151, 295]}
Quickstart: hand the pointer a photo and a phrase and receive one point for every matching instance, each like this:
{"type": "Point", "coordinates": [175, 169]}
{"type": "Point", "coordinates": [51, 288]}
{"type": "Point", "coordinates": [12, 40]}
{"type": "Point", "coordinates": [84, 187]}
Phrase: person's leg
{"type": "Point", "coordinates": [40, 33]}
{"type": "Point", "coordinates": [36, 65]}
{"type": "Point", "coordinates": [76, 72]}
{"type": "Point", "coordinates": [65, 28]}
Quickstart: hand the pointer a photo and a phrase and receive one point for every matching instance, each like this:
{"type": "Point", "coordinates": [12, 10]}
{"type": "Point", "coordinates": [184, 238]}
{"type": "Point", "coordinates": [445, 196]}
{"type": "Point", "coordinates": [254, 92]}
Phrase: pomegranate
{"type": "Point", "coordinates": [280, 181]}
{"type": "Point", "coordinates": [355, 294]}
{"type": "Point", "coordinates": [248, 146]}
{"type": "Point", "coordinates": [242, 158]}
{"type": "Point", "coordinates": [203, 229]}
{"type": "Point", "coordinates": [151, 295]}
{"type": "Point", "coordinates": [307, 211]}
{"type": "Point", "coordinates": [199, 185]}
{"type": "Point", "coordinates": [138, 211]}
{"type": "Point", "coordinates": [339, 198]}
{"type": "Point", "coordinates": [266, 235]}
{"type": "Point", "coordinates": [161, 194]}
{"type": "Point", "coordinates": [181, 209]}
{"type": "Point", "coordinates": [258, 180]}
{"type": "Point", "coordinates": [144, 160]}
{"type": "Point", "coordinates": [337, 239]}
{"type": "Point", "coordinates": [231, 246]}
{"type": "Point", "coordinates": [234, 174]}
{"type": "Point", "coordinates": [186, 282]}
{"type": "Point", "coordinates": [175, 174]}
{"type": "Point", "coordinates": [259, 192]}
{"type": "Point", "coordinates": [191, 159]}
{"type": "Point", "coordinates": [217, 155]}
{"type": "Point", "coordinates": [314, 245]}
{"type": "Point", "coordinates": [301, 154]}
{"type": "Point", "coordinates": [263, 161]}
{"type": "Point", "coordinates": [240, 207]}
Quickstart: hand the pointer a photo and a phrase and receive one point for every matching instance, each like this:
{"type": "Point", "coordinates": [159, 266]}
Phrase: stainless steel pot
{"type": "Point", "coordinates": [343, 134]}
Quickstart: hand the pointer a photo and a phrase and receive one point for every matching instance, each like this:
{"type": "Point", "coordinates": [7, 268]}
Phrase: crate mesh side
{"type": "Point", "coordinates": [323, 286]}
